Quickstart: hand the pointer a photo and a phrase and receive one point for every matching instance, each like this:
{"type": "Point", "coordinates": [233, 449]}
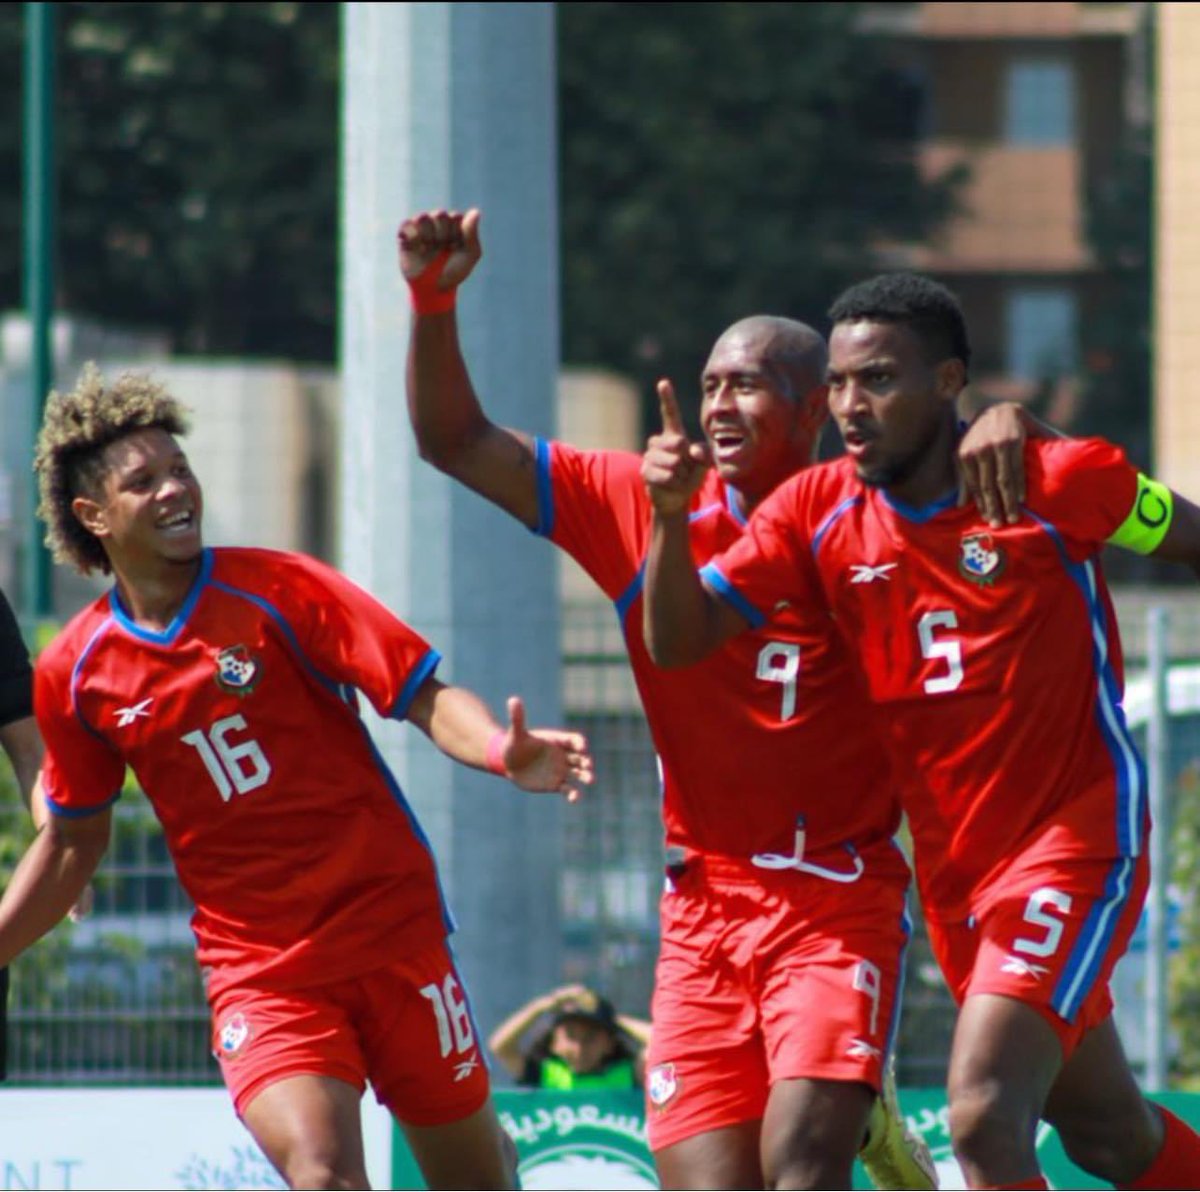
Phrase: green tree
{"type": "Point", "coordinates": [198, 171]}
{"type": "Point", "coordinates": [720, 160]}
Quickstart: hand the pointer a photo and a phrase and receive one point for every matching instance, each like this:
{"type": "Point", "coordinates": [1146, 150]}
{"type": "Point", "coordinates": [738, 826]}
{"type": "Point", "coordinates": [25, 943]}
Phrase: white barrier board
{"type": "Point", "coordinates": [146, 1138]}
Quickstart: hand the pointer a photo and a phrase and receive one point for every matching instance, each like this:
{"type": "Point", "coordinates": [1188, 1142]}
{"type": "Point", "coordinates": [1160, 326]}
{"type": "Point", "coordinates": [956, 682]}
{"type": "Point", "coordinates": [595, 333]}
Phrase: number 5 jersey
{"type": "Point", "coordinates": [288, 831]}
{"type": "Point", "coordinates": [993, 653]}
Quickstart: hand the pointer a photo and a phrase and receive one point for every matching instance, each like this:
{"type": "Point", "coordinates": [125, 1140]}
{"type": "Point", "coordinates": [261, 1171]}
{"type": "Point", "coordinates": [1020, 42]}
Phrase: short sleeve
{"type": "Point", "coordinates": [593, 505]}
{"type": "Point", "coordinates": [81, 773]}
{"type": "Point", "coordinates": [349, 637]}
{"type": "Point", "coordinates": [770, 565]}
{"type": "Point", "coordinates": [1085, 488]}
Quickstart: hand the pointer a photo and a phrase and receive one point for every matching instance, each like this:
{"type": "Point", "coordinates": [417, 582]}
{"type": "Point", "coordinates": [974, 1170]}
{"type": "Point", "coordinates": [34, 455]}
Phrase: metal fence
{"type": "Point", "coordinates": [117, 997]}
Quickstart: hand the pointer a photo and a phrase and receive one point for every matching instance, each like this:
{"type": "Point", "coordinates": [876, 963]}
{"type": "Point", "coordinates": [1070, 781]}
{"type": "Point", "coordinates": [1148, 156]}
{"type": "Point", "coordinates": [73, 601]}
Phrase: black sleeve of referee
{"type": "Point", "coordinates": [16, 673]}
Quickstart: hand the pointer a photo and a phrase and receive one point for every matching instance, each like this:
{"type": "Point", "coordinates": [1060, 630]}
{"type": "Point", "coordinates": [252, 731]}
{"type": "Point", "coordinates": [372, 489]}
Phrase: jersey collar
{"type": "Point", "coordinates": [172, 631]}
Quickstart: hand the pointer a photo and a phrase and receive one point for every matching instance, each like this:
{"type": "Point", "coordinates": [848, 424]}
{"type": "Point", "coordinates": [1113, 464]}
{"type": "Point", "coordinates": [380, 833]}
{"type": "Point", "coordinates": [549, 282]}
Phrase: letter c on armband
{"type": "Point", "coordinates": [1149, 519]}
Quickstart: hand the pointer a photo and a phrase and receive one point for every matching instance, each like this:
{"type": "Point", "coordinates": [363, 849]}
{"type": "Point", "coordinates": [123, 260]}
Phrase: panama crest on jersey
{"type": "Point", "coordinates": [238, 671]}
{"type": "Point", "coordinates": [981, 559]}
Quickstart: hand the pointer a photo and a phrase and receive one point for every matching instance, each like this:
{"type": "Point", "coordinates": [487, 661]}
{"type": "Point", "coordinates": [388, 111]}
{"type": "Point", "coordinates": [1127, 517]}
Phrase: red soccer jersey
{"type": "Point", "coordinates": [288, 832]}
{"type": "Point", "coordinates": [775, 726]}
{"type": "Point", "coordinates": [992, 653]}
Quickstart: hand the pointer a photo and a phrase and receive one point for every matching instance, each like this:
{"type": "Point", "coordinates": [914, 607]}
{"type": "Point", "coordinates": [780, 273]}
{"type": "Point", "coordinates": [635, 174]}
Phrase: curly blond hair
{"type": "Point", "coordinates": [69, 459]}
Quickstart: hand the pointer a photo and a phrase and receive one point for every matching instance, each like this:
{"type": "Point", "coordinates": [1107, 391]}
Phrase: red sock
{"type": "Point", "coordinates": [1177, 1164]}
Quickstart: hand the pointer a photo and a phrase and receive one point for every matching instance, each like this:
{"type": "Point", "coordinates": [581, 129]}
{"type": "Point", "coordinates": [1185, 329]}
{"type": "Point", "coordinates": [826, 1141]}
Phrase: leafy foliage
{"type": "Point", "coordinates": [720, 160]}
{"type": "Point", "coordinates": [198, 170]}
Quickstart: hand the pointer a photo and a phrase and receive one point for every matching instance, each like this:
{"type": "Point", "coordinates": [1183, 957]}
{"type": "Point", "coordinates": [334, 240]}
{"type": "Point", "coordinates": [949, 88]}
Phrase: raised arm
{"type": "Point", "coordinates": [458, 722]}
{"type": "Point", "coordinates": [438, 252]}
{"type": "Point", "coordinates": [683, 621]}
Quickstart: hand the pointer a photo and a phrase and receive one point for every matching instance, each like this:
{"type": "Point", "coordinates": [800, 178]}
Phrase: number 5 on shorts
{"type": "Point", "coordinates": [1036, 913]}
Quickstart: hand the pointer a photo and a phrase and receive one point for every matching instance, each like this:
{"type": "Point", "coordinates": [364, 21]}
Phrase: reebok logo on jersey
{"type": "Point", "coordinates": [860, 1048]}
{"type": "Point", "coordinates": [126, 716]}
{"type": "Point", "coordinates": [464, 1068]}
{"type": "Point", "coordinates": [864, 573]}
{"type": "Point", "coordinates": [1022, 968]}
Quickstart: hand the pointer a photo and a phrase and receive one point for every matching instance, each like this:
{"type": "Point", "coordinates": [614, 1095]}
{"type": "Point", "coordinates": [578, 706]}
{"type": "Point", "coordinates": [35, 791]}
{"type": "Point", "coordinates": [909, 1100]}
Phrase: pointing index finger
{"type": "Point", "coordinates": [672, 420]}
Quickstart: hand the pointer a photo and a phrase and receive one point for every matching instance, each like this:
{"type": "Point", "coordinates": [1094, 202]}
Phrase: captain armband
{"type": "Point", "coordinates": [1149, 520]}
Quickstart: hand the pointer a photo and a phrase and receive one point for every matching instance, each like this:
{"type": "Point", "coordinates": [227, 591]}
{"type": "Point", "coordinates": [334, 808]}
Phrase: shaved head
{"type": "Point", "coordinates": [793, 351]}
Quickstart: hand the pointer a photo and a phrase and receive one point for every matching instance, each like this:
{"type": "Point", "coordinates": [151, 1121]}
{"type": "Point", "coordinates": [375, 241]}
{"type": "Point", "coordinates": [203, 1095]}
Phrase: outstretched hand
{"type": "Point", "coordinates": [544, 759]}
{"type": "Point", "coordinates": [673, 467]}
{"type": "Point", "coordinates": [448, 237]}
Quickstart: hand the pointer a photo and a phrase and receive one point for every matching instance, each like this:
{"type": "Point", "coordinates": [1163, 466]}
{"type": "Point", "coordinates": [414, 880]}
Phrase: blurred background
{"type": "Point", "coordinates": [713, 160]}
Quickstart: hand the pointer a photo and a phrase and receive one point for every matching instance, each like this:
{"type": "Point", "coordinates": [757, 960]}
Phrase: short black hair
{"type": "Point", "coordinates": [928, 307]}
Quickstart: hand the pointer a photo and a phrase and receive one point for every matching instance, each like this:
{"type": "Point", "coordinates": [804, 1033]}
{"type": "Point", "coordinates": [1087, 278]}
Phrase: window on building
{"type": "Point", "coordinates": [1039, 101]}
{"type": "Point", "coordinates": [1042, 327]}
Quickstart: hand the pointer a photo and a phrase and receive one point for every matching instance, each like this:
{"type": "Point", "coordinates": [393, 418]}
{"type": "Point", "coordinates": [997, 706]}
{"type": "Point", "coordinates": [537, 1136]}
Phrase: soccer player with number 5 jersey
{"type": "Point", "coordinates": [783, 922]}
{"type": "Point", "coordinates": [227, 679]}
{"type": "Point", "coordinates": [992, 652]}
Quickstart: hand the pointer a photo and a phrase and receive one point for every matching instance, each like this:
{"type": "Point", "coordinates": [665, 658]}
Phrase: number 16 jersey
{"type": "Point", "coordinates": [240, 722]}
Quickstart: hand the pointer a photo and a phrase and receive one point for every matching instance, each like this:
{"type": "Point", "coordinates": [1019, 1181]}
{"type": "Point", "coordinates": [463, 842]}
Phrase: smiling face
{"type": "Point", "coordinates": [893, 406]}
{"type": "Point", "coordinates": [148, 511]}
{"type": "Point", "coordinates": [760, 414]}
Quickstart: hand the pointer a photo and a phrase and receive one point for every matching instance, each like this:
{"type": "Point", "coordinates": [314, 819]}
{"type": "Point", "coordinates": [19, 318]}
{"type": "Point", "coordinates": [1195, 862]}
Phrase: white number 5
{"type": "Point", "coordinates": [950, 651]}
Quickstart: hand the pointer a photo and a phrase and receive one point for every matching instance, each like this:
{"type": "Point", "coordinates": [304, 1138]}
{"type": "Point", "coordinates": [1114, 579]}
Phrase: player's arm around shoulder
{"type": "Point", "coordinates": [438, 252]}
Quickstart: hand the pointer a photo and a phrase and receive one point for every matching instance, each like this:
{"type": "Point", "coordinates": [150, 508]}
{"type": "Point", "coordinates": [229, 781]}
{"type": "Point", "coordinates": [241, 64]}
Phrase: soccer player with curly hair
{"type": "Point", "coordinates": [227, 679]}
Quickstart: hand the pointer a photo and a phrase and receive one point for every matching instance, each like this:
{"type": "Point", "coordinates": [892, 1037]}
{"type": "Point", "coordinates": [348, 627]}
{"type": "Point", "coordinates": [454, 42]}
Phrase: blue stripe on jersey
{"type": "Point", "coordinates": [1127, 762]}
{"type": "Point", "coordinates": [1086, 957]}
{"type": "Point", "coordinates": [419, 674]}
{"type": "Point", "coordinates": [545, 490]}
{"type": "Point", "coordinates": [830, 518]}
{"type": "Point", "coordinates": [922, 513]}
{"type": "Point", "coordinates": [179, 620]}
{"type": "Point", "coordinates": [75, 671]}
{"type": "Point", "coordinates": [703, 512]}
{"type": "Point", "coordinates": [723, 588]}
{"type": "Point", "coordinates": [414, 824]}
{"type": "Point", "coordinates": [630, 594]}
{"type": "Point", "coordinates": [731, 505]}
{"type": "Point", "coordinates": [80, 812]}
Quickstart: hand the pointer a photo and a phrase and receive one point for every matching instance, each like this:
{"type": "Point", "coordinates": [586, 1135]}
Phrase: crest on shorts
{"type": "Point", "coordinates": [233, 1034]}
{"type": "Point", "coordinates": [981, 559]}
{"type": "Point", "coordinates": [238, 671]}
{"type": "Point", "coordinates": [661, 1084]}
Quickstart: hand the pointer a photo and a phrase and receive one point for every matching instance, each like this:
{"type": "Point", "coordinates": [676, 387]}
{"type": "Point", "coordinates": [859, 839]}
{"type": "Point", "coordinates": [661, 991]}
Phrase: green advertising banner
{"type": "Point", "coordinates": [598, 1140]}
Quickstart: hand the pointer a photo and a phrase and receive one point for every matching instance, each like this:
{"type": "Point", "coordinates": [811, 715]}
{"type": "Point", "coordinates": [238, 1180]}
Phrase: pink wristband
{"type": "Point", "coordinates": [494, 758]}
{"type": "Point", "coordinates": [427, 299]}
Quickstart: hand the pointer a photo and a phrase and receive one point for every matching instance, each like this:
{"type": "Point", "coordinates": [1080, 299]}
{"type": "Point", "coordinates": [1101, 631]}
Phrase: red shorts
{"type": "Point", "coordinates": [1048, 933]}
{"type": "Point", "coordinates": [767, 975]}
{"type": "Point", "coordinates": [406, 1027]}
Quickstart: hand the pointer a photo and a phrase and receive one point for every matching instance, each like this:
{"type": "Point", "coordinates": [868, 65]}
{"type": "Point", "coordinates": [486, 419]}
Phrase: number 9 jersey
{"type": "Point", "coordinates": [240, 722]}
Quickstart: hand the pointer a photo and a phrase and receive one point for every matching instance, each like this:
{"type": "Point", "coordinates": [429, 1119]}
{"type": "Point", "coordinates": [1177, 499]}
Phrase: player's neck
{"type": "Point", "coordinates": [153, 596]}
{"type": "Point", "coordinates": [934, 471]}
